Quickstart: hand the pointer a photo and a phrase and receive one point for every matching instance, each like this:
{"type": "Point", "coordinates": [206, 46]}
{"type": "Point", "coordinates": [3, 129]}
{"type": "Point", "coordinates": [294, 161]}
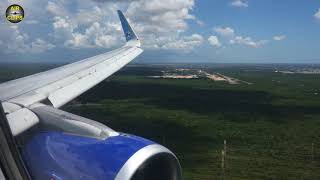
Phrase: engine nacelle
{"type": "Point", "coordinates": [56, 155]}
{"type": "Point", "coordinates": [70, 147]}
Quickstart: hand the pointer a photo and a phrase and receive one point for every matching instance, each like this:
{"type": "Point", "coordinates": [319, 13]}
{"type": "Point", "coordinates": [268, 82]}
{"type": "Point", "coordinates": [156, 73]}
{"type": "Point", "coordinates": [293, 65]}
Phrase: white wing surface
{"type": "Point", "coordinates": [59, 86]}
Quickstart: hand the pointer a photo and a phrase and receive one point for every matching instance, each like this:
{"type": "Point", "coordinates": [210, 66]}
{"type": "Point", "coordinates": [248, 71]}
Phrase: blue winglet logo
{"type": "Point", "coordinates": [128, 36]}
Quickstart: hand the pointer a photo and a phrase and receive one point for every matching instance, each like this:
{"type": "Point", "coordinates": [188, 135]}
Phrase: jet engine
{"type": "Point", "coordinates": [69, 147]}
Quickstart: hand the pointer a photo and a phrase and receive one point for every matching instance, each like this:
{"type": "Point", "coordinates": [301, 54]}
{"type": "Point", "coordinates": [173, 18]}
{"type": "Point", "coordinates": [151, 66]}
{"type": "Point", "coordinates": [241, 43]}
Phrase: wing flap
{"type": "Point", "coordinates": [21, 120]}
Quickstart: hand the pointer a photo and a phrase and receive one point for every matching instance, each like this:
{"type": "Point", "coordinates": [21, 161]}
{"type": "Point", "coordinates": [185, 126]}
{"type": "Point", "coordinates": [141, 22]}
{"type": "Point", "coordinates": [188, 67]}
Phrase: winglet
{"type": "Point", "coordinates": [128, 31]}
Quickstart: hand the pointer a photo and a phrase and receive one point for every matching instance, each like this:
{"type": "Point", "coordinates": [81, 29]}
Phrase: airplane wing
{"type": "Point", "coordinates": [55, 144]}
{"type": "Point", "coordinates": [59, 86]}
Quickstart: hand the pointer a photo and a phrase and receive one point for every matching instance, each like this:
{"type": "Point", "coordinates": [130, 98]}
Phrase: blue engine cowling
{"type": "Point", "coordinates": [58, 155]}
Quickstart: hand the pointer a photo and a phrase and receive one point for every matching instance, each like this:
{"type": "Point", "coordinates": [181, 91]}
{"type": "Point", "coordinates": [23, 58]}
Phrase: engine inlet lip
{"type": "Point", "coordinates": [144, 154]}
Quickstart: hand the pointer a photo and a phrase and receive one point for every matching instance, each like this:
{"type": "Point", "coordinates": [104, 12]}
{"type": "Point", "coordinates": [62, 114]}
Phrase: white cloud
{"type": "Point", "coordinates": [94, 36]}
{"type": "Point", "coordinates": [13, 41]}
{"type": "Point", "coordinates": [247, 41]}
{"type": "Point", "coordinates": [63, 28]}
{"type": "Point", "coordinates": [279, 37]}
{"type": "Point", "coordinates": [87, 30]}
{"type": "Point", "coordinates": [317, 14]}
{"type": "Point", "coordinates": [186, 43]}
{"type": "Point", "coordinates": [39, 46]}
{"type": "Point", "coordinates": [57, 8]}
{"type": "Point", "coordinates": [229, 34]}
{"type": "Point", "coordinates": [226, 32]}
{"type": "Point", "coordinates": [160, 17]}
{"type": "Point", "coordinates": [159, 24]}
{"type": "Point", "coordinates": [214, 41]}
{"type": "Point", "coordinates": [162, 24]}
{"type": "Point", "coordinates": [239, 3]}
{"type": "Point", "coordinates": [63, 23]}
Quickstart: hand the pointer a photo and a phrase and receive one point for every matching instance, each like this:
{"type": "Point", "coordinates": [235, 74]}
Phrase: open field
{"type": "Point", "coordinates": [272, 126]}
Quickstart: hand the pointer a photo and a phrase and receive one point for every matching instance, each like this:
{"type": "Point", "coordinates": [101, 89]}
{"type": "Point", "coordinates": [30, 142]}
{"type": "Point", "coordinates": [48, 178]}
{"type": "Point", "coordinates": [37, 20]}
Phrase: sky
{"type": "Point", "coordinates": [171, 31]}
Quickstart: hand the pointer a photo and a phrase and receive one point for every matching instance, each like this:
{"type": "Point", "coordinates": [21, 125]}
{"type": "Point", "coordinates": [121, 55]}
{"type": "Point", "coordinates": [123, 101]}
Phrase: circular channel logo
{"type": "Point", "coordinates": [14, 13]}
